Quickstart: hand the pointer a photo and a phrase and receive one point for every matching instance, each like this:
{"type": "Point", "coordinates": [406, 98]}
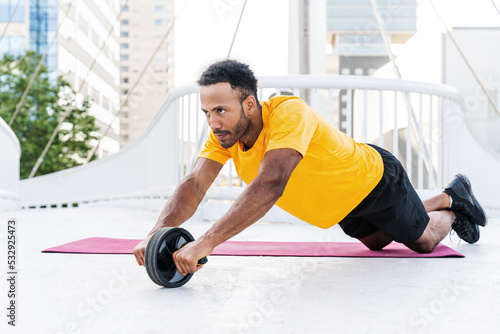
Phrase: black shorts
{"type": "Point", "coordinates": [393, 206]}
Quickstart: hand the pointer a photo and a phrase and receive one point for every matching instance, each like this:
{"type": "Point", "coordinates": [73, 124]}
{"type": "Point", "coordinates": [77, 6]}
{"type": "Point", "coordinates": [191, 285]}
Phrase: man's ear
{"type": "Point", "coordinates": [250, 105]}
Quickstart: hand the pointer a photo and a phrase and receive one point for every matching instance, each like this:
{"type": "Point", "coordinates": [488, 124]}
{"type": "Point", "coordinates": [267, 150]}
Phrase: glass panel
{"type": "Point", "coordinates": [4, 45]}
{"type": "Point", "coordinates": [19, 13]}
{"type": "Point", "coordinates": [43, 24]}
{"type": "Point", "coordinates": [8, 6]}
{"type": "Point", "coordinates": [17, 45]}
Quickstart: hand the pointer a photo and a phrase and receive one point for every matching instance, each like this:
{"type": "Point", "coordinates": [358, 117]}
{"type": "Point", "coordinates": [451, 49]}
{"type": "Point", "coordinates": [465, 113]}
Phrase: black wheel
{"type": "Point", "coordinates": [159, 263]}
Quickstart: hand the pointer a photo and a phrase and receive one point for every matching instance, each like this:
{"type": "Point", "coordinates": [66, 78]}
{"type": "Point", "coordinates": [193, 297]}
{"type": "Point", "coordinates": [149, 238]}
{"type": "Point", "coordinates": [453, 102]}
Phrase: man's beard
{"type": "Point", "coordinates": [236, 133]}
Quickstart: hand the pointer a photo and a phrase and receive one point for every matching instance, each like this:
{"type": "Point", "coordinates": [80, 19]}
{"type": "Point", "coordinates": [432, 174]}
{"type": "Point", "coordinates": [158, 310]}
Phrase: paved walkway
{"type": "Point", "coordinates": [69, 293]}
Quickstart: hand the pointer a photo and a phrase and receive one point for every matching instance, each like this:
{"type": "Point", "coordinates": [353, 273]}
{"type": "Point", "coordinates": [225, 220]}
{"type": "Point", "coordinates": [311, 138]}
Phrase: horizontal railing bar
{"type": "Point", "coordinates": [358, 82]}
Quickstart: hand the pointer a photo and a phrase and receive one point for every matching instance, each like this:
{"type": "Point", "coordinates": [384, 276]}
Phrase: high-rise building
{"type": "Point", "coordinates": [88, 57]}
{"type": "Point", "coordinates": [75, 35]}
{"type": "Point", "coordinates": [14, 36]}
{"type": "Point", "coordinates": [43, 24]}
{"type": "Point", "coordinates": [144, 23]}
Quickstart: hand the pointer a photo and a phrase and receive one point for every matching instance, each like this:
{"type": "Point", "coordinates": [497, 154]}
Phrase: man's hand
{"type": "Point", "coordinates": [140, 251]}
{"type": "Point", "coordinates": [186, 259]}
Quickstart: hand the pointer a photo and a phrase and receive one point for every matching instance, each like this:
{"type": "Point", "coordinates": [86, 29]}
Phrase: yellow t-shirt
{"type": "Point", "coordinates": [334, 176]}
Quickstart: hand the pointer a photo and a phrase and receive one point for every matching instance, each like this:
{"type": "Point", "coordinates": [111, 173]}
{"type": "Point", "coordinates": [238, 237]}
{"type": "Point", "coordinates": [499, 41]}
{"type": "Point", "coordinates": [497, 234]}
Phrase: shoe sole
{"type": "Point", "coordinates": [465, 180]}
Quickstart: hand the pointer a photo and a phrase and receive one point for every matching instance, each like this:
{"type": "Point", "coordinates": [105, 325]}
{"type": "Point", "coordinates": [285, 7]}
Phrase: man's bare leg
{"type": "Point", "coordinates": [437, 229]}
{"type": "Point", "coordinates": [439, 202]}
{"type": "Point", "coordinates": [439, 224]}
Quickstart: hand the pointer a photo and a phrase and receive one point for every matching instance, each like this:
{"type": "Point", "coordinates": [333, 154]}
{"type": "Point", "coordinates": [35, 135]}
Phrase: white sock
{"type": "Point", "coordinates": [451, 201]}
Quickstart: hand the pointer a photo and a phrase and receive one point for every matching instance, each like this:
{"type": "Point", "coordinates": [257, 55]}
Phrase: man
{"type": "Point", "coordinates": [290, 156]}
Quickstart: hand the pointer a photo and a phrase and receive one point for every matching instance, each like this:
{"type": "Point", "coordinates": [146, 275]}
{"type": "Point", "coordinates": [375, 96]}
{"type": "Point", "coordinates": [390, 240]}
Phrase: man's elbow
{"type": "Point", "coordinates": [275, 188]}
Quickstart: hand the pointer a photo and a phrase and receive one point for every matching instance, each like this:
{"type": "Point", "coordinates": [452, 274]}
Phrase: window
{"type": "Point", "coordinates": [124, 68]}
{"type": "Point", "coordinates": [158, 22]}
{"type": "Point", "coordinates": [124, 91]}
{"type": "Point", "coordinates": [95, 38]}
{"type": "Point", "coordinates": [105, 103]}
{"type": "Point", "coordinates": [124, 22]}
{"type": "Point", "coordinates": [84, 26]}
{"type": "Point", "coordinates": [125, 9]}
{"type": "Point", "coordinates": [124, 45]}
{"type": "Point", "coordinates": [95, 95]}
{"type": "Point", "coordinates": [159, 8]}
{"type": "Point", "coordinates": [7, 7]}
{"type": "Point", "coordinates": [124, 80]}
{"type": "Point", "coordinates": [124, 57]}
{"type": "Point", "coordinates": [124, 34]}
{"type": "Point", "coordinates": [15, 45]}
{"type": "Point", "coordinates": [51, 61]}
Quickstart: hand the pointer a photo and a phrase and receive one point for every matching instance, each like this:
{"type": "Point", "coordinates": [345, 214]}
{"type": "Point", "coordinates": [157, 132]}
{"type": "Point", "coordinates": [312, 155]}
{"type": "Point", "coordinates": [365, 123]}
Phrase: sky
{"type": "Point", "coordinates": [205, 28]}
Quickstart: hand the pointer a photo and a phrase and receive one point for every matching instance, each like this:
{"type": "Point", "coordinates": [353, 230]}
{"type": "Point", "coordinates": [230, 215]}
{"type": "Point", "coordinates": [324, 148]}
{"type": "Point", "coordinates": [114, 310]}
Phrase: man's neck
{"type": "Point", "coordinates": [256, 126]}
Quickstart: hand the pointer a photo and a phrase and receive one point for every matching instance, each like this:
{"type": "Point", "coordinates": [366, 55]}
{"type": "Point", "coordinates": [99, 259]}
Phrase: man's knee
{"type": "Point", "coordinates": [375, 246]}
{"type": "Point", "coordinates": [423, 246]}
{"type": "Point", "coordinates": [377, 240]}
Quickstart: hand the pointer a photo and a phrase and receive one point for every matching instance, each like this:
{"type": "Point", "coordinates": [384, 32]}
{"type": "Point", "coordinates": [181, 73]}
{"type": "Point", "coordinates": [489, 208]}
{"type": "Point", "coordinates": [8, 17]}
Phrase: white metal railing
{"type": "Point", "coordinates": [380, 111]}
{"type": "Point", "coordinates": [10, 152]}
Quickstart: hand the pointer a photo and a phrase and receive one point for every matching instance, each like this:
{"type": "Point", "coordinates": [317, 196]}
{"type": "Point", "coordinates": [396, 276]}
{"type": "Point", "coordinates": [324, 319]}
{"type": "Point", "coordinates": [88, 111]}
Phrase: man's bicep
{"type": "Point", "coordinates": [278, 165]}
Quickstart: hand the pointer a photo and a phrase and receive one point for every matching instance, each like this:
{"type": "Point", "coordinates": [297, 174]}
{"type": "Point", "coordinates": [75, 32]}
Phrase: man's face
{"type": "Point", "coordinates": [225, 115]}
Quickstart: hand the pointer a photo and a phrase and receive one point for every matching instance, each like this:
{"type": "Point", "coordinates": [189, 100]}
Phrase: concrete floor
{"type": "Point", "coordinates": [70, 293]}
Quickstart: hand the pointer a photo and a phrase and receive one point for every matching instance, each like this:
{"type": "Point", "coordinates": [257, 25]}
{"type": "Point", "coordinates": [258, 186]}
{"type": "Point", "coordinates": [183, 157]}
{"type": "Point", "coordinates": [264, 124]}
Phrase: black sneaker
{"type": "Point", "coordinates": [459, 189]}
{"type": "Point", "coordinates": [465, 229]}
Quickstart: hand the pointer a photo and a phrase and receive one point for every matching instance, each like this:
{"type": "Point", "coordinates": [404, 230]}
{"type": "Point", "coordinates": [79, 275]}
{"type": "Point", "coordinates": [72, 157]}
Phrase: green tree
{"type": "Point", "coordinates": [40, 113]}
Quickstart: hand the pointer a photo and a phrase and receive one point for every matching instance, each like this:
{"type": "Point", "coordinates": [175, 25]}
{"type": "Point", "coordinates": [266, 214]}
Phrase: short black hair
{"type": "Point", "coordinates": [237, 74]}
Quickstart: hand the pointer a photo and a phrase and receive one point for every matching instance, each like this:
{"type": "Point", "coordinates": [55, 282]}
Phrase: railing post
{"type": "Point", "coordinates": [440, 139]}
{"type": "Point", "coordinates": [408, 139]}
{"type": "Point", "coordinates": [189, 112]}
{"type": "Point", "coordinates": [421, 144]}
{"type": "Point", "coordinates": [349, 108]}
{"type": "Point", "coordinates": [395, 134]}
{"type": "Point", "coordinates": [430, 184]}
{"type": "Point", "coordinates": [381, 119]}
{"type": "Point", "coordinates": [365, 116]}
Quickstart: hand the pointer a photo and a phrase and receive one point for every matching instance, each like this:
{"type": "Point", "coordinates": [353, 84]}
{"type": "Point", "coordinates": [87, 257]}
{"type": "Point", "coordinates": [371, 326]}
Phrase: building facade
{"type": "Point", "coordinates": [14, 38]}
{"type": "Point", "coordinates": [88, 57]}
{"type": "Point", "coordinates": [81, 41]}
{"type": "Point", "coordinates": [355, 44]}
{"type": "Point", "coordinates": [145, 25]}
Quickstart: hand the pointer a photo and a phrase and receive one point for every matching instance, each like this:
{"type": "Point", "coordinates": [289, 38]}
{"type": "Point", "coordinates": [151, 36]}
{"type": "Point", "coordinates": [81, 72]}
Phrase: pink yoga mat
{"type": "Point", "coordinates": [259, 248]}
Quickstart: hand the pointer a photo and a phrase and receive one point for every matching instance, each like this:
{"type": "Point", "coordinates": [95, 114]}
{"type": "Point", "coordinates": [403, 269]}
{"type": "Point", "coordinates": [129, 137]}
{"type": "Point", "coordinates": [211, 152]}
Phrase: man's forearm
{"type": "Point", "coordinates": [180, 207]}
{"type": "Point", "coordinates": [257, 199]}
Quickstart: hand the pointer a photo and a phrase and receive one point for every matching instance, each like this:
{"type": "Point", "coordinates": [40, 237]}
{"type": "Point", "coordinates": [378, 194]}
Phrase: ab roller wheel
{"type": "Point", "coordinates": [159, 262]}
